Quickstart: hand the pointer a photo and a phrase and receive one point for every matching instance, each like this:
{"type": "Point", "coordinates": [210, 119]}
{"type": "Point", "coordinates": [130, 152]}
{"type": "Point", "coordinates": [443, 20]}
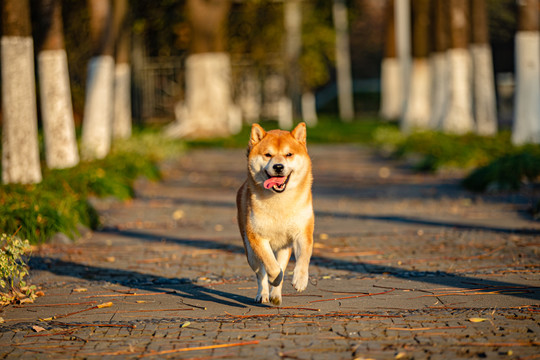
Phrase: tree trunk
{"type": "Point", "coordinates": [485, 107]}
{"type": "Point", "coordinates": [98, 108]}
{"type": "Point", "coordinates": [343, 61]}
{"type": "Point", "coordinates": [309, 109]}
{"type": "Point", "coordinates": [121, 128]}
{"type": "Point", "coordinates": [20, 151]}
{"type": "Point", "coordinates": [208, 110]}
{"type": "Point", "coordinates": [526, 128]}
{"type": "Point", "coordinates": [439, 65]}
{"type": "Point", "coordinates": [417, 106]}
{"type": "Point", "coordinates": [56, 108]}
{"type": "Point", "coordinates": [391, 89]}
{"type": "Point", "coordinates": [458, 118]}
{"type": "Point", "coordinates": [403, 45]}
{"type": "Point", "coordinates": [249, 97]}
{"type": "Point", "coordinates": [292, 10]}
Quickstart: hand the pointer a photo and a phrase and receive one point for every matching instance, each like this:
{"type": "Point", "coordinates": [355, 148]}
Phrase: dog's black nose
{"type": "Point", "coordinates": [278, 168]}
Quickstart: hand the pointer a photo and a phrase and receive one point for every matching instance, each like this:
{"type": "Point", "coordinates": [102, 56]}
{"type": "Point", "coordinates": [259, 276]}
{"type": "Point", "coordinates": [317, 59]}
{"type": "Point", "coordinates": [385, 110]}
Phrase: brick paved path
{"type": "Point", "coordinates": [404, 264]}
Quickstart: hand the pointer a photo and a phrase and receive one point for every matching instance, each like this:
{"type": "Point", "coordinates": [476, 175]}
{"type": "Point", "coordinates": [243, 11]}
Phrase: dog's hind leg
{"type": "Point", "coordinates": [283, 256]}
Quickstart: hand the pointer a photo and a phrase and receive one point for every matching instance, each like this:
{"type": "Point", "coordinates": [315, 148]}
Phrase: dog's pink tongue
{"type": "Point", "coordinates": [277, 180]}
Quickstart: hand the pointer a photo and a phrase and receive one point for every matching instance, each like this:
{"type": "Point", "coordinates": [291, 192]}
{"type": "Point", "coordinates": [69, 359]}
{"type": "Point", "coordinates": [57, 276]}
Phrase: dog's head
{"type": "Point", "coordinates": [278, 159]}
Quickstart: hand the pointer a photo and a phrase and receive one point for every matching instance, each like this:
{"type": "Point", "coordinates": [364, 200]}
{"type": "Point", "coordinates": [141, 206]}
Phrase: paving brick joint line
{"type": "Point", "coordinates": [405, 266]}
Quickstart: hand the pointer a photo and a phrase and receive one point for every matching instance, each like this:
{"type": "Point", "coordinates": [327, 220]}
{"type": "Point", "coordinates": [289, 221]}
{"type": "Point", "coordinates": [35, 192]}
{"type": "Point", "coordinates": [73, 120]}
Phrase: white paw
{"type": "Point", "coordinates": [275, 296]}
{"type": "Point", "coordinates": [261, 298]}
{"type": "Point", "coordinates": [300, 280]}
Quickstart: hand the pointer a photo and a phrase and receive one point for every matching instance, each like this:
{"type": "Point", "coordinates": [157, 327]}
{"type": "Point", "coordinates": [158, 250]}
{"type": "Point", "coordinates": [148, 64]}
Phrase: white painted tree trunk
{"type": "Point", "coordinates": [391, 89]}
{"type": "Point", "coordinates": [458, 118]}
{"type": "Point", "coordinates": [285, 113]}
{"type": "Point", "coordinates": [249, 98]}
{"type": "Point", "coordinates": [98, 108]}
{"type": "Point", "coordinates": [343, 61]}
{"type": "Point", "coordinates": [403, 45]}
{"type": "Point", "coordinates": [208, 110]}
{"type": "Point", "coordinates": [417, 105]}
{"type": "Point", "coordinates": [485, 106]}
{"type": "Point", "coordinates": [439, 89]}
{"type": "Point", "coordinates": [20, 151]}
{"type": "Point", "coordinates": [309, 109]}
{"type": "Point", "coordinates": [526, 127]}
{"type": "Point", "coordinates": [56, 110]}
{"type": "Point", "coordinates": [122, 101]}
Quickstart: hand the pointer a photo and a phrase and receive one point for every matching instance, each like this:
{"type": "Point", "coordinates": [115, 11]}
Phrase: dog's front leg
{"type": "Point", "coordinates": [262, 278]}
{"type": "Point", "coordinates": [263, 251]}
{"type": "Point", "coordinates": [283, 256]}
{"type": "Point", "coordinates": [303, 247]}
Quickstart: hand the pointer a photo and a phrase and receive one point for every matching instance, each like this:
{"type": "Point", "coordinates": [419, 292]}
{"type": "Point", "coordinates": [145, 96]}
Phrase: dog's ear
{"type": "Point", "coordinates": [257, 134]}
{"type": "Point", "coordinates": [299, 133]}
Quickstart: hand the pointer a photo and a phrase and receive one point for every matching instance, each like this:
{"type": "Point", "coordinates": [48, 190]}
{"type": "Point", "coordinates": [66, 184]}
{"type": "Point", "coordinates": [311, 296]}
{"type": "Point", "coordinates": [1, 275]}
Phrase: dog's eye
{"type": "Point", "coordinates": [289, 155]}
{"type": "Point", "coordinates": [268, 155]}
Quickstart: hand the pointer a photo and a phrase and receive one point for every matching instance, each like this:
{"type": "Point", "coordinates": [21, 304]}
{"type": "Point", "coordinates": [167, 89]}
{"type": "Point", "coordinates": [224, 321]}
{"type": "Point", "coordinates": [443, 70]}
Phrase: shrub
{"type": "Point", "coordinates": [507, 172]}
{"type": "Point", "coordinates": [13, 270]}
{"type": "Point", "coordinates": [60, 202]}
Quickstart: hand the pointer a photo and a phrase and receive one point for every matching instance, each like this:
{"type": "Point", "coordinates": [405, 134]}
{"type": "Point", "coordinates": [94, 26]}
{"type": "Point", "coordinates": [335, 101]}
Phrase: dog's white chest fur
{"type": "Point", "coordinates": [279, 224]}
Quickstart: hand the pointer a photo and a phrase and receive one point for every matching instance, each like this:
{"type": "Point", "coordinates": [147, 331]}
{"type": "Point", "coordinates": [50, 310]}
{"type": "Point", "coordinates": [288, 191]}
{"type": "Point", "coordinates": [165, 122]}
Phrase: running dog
{"type": "Point", "coordinates": [275, 211]}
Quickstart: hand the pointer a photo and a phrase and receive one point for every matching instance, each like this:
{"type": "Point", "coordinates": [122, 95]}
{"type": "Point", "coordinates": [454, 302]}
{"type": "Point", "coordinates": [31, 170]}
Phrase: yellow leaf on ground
{"type": "Point", "coordinates": [476, 320]}
{"type": "Point", "coordinates": [104, 305]}
{"type": "Point", "coordinates": [48, 319]}
{"type": "Point", "coordinates": [38, 328]}
{"type": "Point", "coordinates": [79, 290]}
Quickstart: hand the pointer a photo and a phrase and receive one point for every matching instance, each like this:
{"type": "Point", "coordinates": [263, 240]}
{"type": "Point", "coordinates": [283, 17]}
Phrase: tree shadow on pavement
{"type": "Point", "coordinates": [431, 277]}
{"type": "Point", "coordinates": [427, 222]}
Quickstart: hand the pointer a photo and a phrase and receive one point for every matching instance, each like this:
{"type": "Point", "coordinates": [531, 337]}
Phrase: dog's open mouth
{"type": "Point", "coordinates": [277, 183]}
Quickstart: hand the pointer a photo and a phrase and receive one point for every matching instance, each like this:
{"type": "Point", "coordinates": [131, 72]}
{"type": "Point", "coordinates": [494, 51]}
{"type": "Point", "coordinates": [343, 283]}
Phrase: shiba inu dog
{"type": "Point", "coordinates": [275, 211]}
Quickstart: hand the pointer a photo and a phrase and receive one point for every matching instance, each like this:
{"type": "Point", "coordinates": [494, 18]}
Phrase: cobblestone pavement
{"type": "Point", "coordinates": [405, 266]}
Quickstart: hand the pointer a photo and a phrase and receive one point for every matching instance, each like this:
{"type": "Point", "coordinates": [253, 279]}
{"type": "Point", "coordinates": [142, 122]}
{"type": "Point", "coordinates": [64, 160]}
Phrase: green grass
{"type": "Point", "coordinates": [494, 163]}
{"type": "Point", "coordinates": [434, 150]}
{"type": "Point", "coordinates": [329, 129]}
{"type": "Point", "coordinates": [60, 202]}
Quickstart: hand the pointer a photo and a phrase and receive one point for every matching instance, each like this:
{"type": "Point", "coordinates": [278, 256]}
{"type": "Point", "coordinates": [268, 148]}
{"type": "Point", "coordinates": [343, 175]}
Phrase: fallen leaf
{"type": "Point", "coordinates": [80, 290]}
{"type": "Point", "coordinates": [401, 355]}
{"type": "Point", "coordinates": [40, 293]}
{"type": "Point", "coordinates": [104, 305]}
{"type": "Point", "coordinates": [110, 259]}
{"type": "Point", "coordinates": [141, 301]}
{"type": "Point", "coordinates": [2, 320]}
{"type": "Point", "coordinates": [178, 214]}
{"type": "Point", "coordinates": [186, 324]}
{"type": "Point", "coordinates": [48, 319]}
{"type": "Point", "coordinates": [477, 320]}
{"type": "Point", "coordinates": [38, 328]}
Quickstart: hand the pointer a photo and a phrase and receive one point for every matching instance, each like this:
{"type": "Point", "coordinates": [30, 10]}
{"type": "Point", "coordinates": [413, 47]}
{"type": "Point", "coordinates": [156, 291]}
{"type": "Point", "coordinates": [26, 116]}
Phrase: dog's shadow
{"type": "Point", "coordinates": [182, 287]}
